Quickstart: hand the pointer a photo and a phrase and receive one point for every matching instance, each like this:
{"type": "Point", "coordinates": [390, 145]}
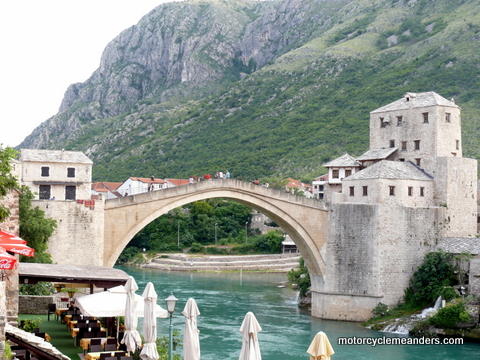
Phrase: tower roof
{"type": "Point", "coordinates": [415, 100]}
{"type": "Point", "coordinates": [396, 170]}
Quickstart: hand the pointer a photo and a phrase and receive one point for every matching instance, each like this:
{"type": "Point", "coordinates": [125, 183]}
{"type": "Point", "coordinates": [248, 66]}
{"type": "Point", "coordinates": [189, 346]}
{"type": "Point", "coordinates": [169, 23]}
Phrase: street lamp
{"type": "Point", "coordinates": [178, 235]}
{"type": "Point", "coordinates": [171, 302]}
{"type": "Point", "coordinates": [246, 232]}
{"type": "Point", "coordinates": [215, 234]}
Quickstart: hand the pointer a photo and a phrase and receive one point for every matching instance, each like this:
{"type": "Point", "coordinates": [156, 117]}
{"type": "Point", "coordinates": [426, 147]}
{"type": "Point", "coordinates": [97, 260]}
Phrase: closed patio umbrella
{"type": "Point", "coordinates": [320, 348]}
{"type": "Point", "coordinates": [131, 338]}
{"type": "Point", "coordinates": [191, 342]}
{"type": "Point", "coordinates": [250, 346]}
{"type": "Point", "coordinates": [149, 351]}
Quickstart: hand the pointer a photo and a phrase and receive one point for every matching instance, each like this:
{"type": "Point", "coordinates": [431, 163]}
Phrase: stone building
{"type": "Point", "coordinates": [56, 174]}
{"type": "Point", "coordinates": [412, 190]}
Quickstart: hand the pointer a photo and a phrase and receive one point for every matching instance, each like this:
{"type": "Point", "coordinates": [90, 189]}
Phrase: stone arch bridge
{"type": "Point", "coordinates": [305, 220]}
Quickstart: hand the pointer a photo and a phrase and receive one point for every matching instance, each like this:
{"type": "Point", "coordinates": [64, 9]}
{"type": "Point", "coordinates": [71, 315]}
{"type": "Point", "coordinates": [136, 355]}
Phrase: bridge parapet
{"type": "Point", "coordinates": [209, 185]}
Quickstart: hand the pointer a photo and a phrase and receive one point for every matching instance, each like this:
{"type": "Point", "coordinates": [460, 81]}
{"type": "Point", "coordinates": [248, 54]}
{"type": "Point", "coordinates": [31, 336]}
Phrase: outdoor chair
{"type": "Point", "coordinates": [51, 310]}
{"type": "Point", "coordinates": [100, 334]}
{"type": "Point", "coordinates": [81, 325]}
{"type": "Point", "coordinates": [105, 355]}
{"type": "Point", "coordinates": [88, 334]}
{"type": "Point", "coordinates": [110, 347]}
{"type": "Point", "coordinates": [89, 318]}
{"type": "Point", "coordinates": [76, 317]}
{"type": "Point", "coordinates": [111, 358]}
{"type": "Point", "coordinates": [40, 334]}
{"type": "Point", "coordinates": [123, 357]}
{"type": "Point", "coordinates": [95, 348]}
{"type": "Point", "coordinates": [119, 354]}
{"type": "Point", "coordinates": [94, 341]}
{"type": "Point", "coordinates": [111, 341]}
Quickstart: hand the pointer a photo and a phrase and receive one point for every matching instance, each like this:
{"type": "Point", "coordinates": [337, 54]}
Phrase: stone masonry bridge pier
{"type": "Point", "coordinates": [305, 220]}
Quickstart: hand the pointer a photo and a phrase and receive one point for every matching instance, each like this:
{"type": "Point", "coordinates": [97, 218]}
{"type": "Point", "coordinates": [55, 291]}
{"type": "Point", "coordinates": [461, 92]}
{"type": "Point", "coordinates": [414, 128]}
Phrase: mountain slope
{"type": "Point", "coordinates": [166, 100]}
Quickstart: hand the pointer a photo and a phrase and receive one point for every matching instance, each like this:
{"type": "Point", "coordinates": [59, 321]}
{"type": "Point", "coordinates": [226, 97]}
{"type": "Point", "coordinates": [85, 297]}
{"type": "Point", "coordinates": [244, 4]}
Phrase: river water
{"type": "Point", "coordinates": [224, 299]}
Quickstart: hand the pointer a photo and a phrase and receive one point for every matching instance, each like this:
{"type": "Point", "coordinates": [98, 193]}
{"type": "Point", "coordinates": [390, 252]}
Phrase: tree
{"type": "Point", "coordinates": [431, 277]}
{"type": "Point", "coordinates": [7, 180]}
{"type": "Point", "coordinates": [35, 228]}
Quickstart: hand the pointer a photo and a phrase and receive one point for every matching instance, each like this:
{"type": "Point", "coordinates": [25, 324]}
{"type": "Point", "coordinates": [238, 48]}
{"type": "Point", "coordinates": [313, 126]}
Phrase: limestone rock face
{"type": "Point", "coordinates": [178, 49]}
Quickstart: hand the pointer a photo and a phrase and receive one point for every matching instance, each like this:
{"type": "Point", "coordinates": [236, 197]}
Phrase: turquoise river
{"type": "Point", "coordinates": [224, 299]}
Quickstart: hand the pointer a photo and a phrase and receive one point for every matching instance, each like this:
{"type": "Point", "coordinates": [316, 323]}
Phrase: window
{"type": "Point", "coordinates": [457, 144]}
{"type": "Point", "coordinates": [45, 171]}
{"type": "Point", "coordinates": [348, 172]}
{"type": "Point", "coordinates": [392, 190]}
{"type": "Point", "coordinates": [70, 192]}
{"type": "Point", "coordinates": [335, 174]}
{"type": "Point", "coordinates": [392, 143]}
{"type": "Point", "coordinates": [44, 192]}
{"type": "Point", "coordinates": [352, 190]}
{"type": "Point", "coordinates": [410, 191]}
{"type": "Point", "coordinates": [425, 118]}
{"type": "Point", "coordinates": [399, 120]}
{"type": "Point", "coordinates": [417, 161]}
{"type": "Point", "coordinates": [416, 144]}
{"type": "Point", "coordinates": [447, 117]}
{"type": "Point", "coordinates": [422, 191]}
{"type": "Point", "coordinates": [70, 172]}
{"type": "Point", "coordinates": [365, 190]}
{"type": "Point", "coordinates": [320, 187]}
{"type": "Point", "coordinates": [382, 122]}
{"type": "Point", "coordinates": [404, 146]}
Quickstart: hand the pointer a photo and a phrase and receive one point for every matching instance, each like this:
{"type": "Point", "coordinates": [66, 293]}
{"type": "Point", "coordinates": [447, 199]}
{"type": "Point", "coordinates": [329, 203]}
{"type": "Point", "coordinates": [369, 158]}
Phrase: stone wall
{"type": "Point", "coordinates": [474, 276]}
{"type": "Point", "coordinates": [456, 189]}
{"type": "Point", "coordinates": [371, 253]}
{"type": "Point", "coordinates": [37, 305]}
{"type": "Point", "coordinates": [78, 238]}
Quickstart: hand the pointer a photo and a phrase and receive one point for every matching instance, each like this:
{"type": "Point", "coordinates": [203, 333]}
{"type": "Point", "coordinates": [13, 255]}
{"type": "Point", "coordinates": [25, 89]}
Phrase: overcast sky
{"type": "Point", "coordinates": [48, 45]}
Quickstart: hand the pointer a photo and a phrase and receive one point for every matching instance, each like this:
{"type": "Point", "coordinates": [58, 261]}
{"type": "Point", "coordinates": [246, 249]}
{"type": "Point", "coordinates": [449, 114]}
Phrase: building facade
{"type": "Point", "coordinates": [412, 190]}
{"type": "Point", "coordinates": [56, 174]}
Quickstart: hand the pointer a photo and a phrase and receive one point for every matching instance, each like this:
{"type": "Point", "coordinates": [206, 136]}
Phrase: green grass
{"type": "Point", "coordinates": [61, 337]}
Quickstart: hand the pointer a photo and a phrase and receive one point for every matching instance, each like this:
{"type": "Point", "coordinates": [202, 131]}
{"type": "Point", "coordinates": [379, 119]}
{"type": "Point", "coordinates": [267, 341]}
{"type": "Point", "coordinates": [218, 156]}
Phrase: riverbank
{"type": "Point", "coordinates": [214, 263]}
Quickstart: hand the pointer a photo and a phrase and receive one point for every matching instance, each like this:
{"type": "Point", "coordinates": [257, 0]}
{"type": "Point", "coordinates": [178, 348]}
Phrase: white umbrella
{"type": "Point", "coordinates": [191, 342]}
{"type": "Point", "coordinates": [320, 348]}
{"type": "Point", "coordinates": [250, 346]}
{"type": "Point", "coordinates": [149, 351]}
{"type": "Point", "coordinates": [111, 303]}
{"type": "Point", "coordinates": [131, 338]}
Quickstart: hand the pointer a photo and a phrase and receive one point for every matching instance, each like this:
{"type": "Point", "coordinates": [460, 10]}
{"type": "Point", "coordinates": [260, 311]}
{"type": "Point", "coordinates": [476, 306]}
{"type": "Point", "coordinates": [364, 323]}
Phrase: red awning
{"type": "Point", "coordinates": [7, 237]}
{"type": "Point", "coordinates": [7, 261]}
{"type": "Point", "coordinates": [21, 249]}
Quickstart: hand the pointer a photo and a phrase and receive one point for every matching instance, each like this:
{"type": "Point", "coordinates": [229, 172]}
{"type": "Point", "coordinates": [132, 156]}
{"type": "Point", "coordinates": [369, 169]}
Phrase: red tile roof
{"type": "Point", "coordinates": [178, 182]}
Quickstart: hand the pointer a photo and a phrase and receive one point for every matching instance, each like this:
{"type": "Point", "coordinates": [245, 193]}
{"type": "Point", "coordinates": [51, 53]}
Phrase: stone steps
{"type": "Point", "coordinates": [182, 262]}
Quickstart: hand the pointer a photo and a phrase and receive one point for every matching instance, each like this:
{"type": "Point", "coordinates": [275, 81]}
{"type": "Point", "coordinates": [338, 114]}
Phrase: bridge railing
{"type": "Point", "coordinates": [227, 184]}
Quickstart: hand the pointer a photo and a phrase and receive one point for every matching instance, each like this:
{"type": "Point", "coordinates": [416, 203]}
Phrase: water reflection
{"type": "Point", "coordinates": [224, 299]}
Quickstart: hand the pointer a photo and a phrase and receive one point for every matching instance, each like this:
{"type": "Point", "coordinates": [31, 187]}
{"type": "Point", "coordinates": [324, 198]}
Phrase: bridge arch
{"type": "Point", "coordinates": [305, 220]}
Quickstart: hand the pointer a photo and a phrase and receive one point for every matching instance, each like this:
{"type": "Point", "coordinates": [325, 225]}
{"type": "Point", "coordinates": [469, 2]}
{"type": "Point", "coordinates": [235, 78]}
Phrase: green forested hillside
{"type": "Point", "coordinates": [308, 104]}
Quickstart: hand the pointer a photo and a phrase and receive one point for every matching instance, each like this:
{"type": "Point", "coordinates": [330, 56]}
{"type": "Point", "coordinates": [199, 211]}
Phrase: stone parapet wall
{"type": "Point", "coordinates": [78, 238]}
{"type": "Point", "coordinates": [38, 305]}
